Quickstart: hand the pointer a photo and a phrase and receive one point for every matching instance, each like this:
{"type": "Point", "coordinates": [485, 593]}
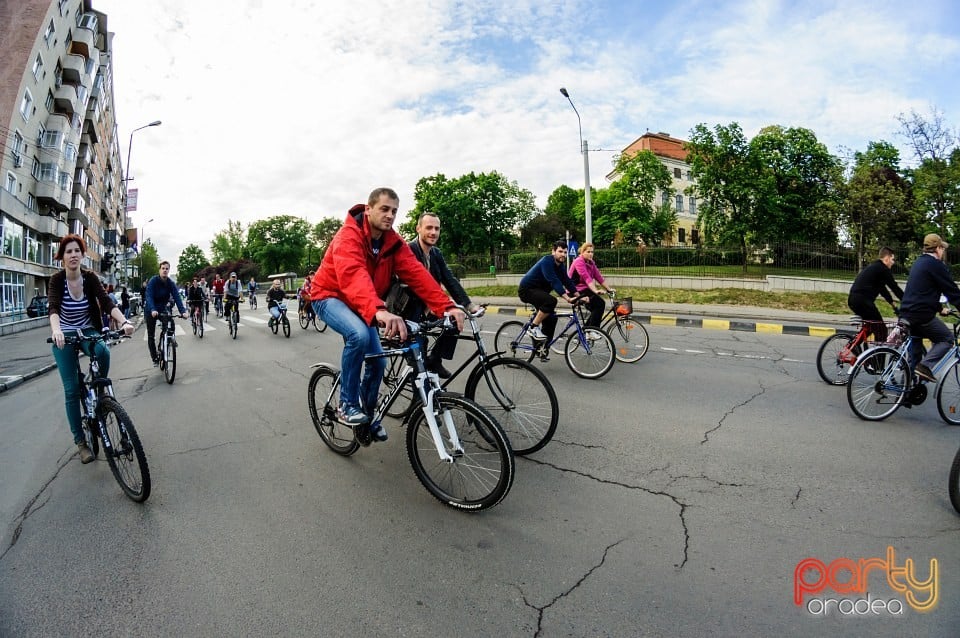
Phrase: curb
{"type": "Point", "coordinates": [708, 324]}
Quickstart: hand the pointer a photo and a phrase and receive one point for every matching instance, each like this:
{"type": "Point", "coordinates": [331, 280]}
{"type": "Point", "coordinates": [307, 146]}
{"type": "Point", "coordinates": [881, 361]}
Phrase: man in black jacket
{"type": "Point", "coordinates": [425, 249]}
{"type": "Point", "coordinates": [874, 280]}
{"type": "Point", "coordinates": [929, 278]}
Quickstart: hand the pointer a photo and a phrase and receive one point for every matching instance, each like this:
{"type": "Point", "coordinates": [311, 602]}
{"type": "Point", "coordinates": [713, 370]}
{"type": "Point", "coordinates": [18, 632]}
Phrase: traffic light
{"type": "Point", "coordinates": [106, 263]}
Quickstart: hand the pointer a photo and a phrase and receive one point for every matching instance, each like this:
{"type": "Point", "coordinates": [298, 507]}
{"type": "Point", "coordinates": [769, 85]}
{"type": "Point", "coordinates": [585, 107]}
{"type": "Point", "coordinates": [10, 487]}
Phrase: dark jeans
{"type": "Point", "coordinates": [867, 310]}
{"type": "Point", "coordinates": [596, 305]}
{"type": "Point", "coordinates": [937, 332]}
{"type": "Point", "coordinates": [543, 301]}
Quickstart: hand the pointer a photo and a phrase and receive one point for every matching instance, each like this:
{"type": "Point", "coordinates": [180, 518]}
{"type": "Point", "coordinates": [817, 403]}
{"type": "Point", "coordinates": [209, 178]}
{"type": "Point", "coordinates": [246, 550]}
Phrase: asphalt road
{"type": "Point", "coordinates": [676, 499]}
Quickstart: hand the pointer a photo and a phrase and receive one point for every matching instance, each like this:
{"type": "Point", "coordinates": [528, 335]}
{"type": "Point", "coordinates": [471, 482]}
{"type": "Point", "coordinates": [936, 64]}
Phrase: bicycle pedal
{"type": "Point", "coordinates": [363, 435]}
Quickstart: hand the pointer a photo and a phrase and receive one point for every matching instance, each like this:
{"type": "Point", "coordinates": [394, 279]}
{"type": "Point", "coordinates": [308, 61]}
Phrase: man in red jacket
{"type": "Point", "coordinates": [347, 292]}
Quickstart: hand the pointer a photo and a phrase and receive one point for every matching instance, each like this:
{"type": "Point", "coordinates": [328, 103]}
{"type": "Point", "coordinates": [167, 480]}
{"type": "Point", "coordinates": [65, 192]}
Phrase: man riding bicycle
{"type": "Point", "coordinates": [548, 274]}
{"type": "Point", "coordinates": [252, 288]}
{"type": "Point", "coordinates": [196, 296]}
{"type": "Point", "coordinates": [874, 280]}
{"type": "Point", "coordinates": [217, 287]}
{"type": "Point", "coordinates": [929, 278]}
{"type": "Point", "coordinates": [161, 290]}
{"type": "Point", "coordinates": [348, 293]}
{"type": "Point", "coordinates": [275, 297]}
{"type": "Point", "coordinates": [232, 291]}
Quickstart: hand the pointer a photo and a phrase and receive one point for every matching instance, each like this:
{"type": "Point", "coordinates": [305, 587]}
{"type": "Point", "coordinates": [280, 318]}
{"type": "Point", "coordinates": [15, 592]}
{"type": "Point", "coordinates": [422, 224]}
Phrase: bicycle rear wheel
{"type": "Point", "coordinates": [520, 398]}
{"type": "Point", "coordinates": [286, 327]}
{"type": "Point", "coordinates": [630, 338]}
{"type": "Point", "coordinates": [508, 341]}
{"type": "Point", "coordinates": [169, 355]}
{"type": "Point", "coordinates": [127, 461]}
{"type": "Point", "coordinates": [948, 394]}
{"type": "Point", "coordinates": [235, 322]}
{"type": "Point", "coordinates": [304, 320]}
{"type": "Point", "coordinates": [833, 358]}
{"type": "Point", "coordinates": [323, 399]}
{"type": "Point", "coordinates": [878, 384]}
{"type": "Point", "coordinates": [590, 362]}
{"type": "Point", "coordinates": [480, 474]}
{"type": "Point", "coordinates": [200, 325]}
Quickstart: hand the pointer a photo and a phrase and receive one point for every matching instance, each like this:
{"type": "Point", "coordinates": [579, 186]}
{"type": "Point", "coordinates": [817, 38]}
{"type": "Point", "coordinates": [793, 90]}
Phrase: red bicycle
{"type": "Point", "coordinates": [839, 352]}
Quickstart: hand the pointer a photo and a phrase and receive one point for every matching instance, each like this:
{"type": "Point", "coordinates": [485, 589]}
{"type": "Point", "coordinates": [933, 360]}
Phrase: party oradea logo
{"type": "Point", "coordinates": [865, 587]}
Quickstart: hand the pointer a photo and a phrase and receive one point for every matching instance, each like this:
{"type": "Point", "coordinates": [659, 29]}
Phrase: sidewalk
{"type": "Point", "coordinates": [25, 355]}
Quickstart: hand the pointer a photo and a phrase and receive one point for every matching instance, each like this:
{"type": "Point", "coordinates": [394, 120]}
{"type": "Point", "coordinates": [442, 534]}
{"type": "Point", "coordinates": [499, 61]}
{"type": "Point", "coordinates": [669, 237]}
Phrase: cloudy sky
{"type": "Point", "coordinates": [302, 107]}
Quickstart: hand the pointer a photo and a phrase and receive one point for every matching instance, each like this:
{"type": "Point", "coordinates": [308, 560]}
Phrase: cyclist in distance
{"type": "Point", "coordinates": [195, 295]}
{"type": "Point", "coordinates": [875, 279]}
{"type": "Point", "coordinates": [161, 290]}
{"type": "Point", "coordinates": [275, 297]}
{"type": "Point", "coordinates": [232, 291]}
{"type": "Point", "coordinates": [425, 249]}
{"type": "Point", "coordinates": [548, 274]}
{"type": "Point", "coordinates": [252, 286]}
{"type": "Point", "coordinates": [217, 287]}
{"type": "Point", "coordinates": [303, 295]}
{"type": "Point", "coordinates": [587, 278]}
{"type": "Point", "coordinates": [929, 278]}
{"type": "Point", "coordinates": [348, 290]}
{"type": "Point", "coordinates": [76, 298]}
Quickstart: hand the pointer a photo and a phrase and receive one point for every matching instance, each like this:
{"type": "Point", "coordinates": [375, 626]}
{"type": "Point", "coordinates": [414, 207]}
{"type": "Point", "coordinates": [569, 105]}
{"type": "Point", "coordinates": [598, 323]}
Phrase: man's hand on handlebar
{"type": "Point", "coordinates": [458, 316]}
{"type": "Point", "coordinates": [393, 325]}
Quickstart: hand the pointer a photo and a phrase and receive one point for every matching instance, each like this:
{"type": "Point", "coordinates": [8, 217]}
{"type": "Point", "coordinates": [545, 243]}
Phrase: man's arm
{"type": "Point", "coordinates": [891, 283]}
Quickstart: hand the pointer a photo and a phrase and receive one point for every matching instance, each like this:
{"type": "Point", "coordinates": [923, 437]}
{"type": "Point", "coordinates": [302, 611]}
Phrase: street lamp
{"type": "Point", "coordinates": [586, 171]}
{"type": "Point", "coordinates": [126, 189]}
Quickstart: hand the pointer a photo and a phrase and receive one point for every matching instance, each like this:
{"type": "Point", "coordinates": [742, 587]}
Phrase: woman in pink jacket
{"type": "Point", "coordinates": [589, 281]}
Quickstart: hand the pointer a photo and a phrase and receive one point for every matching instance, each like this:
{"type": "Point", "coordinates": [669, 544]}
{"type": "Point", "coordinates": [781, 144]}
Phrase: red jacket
{"type": "Point", "coordinates": [354, 275]}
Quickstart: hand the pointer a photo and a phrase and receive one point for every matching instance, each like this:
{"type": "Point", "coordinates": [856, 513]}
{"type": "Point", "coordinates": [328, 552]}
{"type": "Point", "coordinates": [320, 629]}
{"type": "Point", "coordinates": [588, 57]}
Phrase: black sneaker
{"type": "Point", "coordinates": [924, 373]}
{"type": "Point", "coordinates": [437, 368]}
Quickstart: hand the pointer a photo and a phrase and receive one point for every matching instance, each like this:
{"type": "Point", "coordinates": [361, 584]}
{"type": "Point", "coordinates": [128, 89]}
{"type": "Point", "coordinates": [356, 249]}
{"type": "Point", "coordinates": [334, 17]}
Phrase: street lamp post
{"type": "Point", "coordinates": [126, 191]}
{"type": "Point", "coordinates": [586, 172]}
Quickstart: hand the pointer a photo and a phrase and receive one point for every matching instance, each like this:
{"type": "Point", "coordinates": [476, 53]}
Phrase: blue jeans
{"type": "Point", "coordinates": [274, 311]}
{"type": "Point", "coordinates": [69, 371]}
{"type": "Point", "coordinates": [359, 339]}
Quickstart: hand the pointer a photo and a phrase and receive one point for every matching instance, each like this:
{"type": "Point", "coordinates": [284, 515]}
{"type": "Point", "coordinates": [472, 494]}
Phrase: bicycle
{"type": "Point", "coordinates": [838, 353]}
{"type": "Point", "coordinates": [630, 338]}
{"type": "Point", "coordinates": [167, 345]}
{"type": "Point", "coordinates": [882, 380]}
{"type": "Point", "coordinates": [233, 320]}
{"type": "Point", "coordinates": [513, 391]}
{"type": "Point", "coordinates": [308, 315]}
{"type": "Point", "coordinates": [253, 301]}
{"type": "Point", "coordinates": [104, 419]}
{"type": "Point", "coordinates": [589, 352]}
{"type": "Point", "coordinates": [275, 324]}
{"type": "Point", "coordinates": [456, 449]}
{"type": "Point", "coordinates": [196, 319]}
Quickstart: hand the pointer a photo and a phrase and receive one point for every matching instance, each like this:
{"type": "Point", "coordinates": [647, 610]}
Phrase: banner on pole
{"type": "Point", "coordinates": [131, 199]}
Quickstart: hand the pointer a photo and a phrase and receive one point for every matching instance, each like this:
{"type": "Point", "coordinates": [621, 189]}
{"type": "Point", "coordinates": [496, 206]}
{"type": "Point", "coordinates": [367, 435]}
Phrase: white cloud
{"type": "Point", "coordinates": [302, 107]}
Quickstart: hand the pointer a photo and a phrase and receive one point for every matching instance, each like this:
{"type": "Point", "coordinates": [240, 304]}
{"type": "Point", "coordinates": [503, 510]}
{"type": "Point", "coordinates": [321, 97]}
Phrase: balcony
{"type": "Point", "coordinates": [59, 122]}
{"type": "Point", "coordinates": [83, 156]}
{"type": "Point", "coordinates": [84, 37]}
{"type": "Point", "coordinates": [47, 225]}
{"type": "Point", "coordinates": [90, 135]}
{"type": "Point", "coordinates": [74, 68]}
{"type": "Point", "coordinates": [52, 194]}
{"type": "Point", "coordinates": [65, 100]}
{"type": "Point", "coordinates": [78, 214]}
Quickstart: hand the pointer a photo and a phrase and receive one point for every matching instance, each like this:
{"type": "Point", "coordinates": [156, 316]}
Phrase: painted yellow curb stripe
{"type": "Point", "coordinates": [716, 324]}
{"type": "Point", "coordinates": [772, 328]}
{"type": "Point", "coordinates": [816, 331]}
{"type": "Point", "coordinates": [656, 320]}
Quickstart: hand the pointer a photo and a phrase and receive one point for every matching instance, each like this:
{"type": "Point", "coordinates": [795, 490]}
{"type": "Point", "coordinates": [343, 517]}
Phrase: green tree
{"type": "Point", "coordinates": [148, 262]}
{"type": "Point", "coordinates": [479, 212]}
{"type": "Point", "coordinates": [321, 234]}
{"type": "Point", "coordinates": [192, 260]}
{"type": "Point", "coordinates": [229, 244]}
{"type": "Point", "coordinates": [562, 207]}
{"type": "Point", "coordinates": [279, 243]}
{"type": "Point", "coordinates": [937, 178]}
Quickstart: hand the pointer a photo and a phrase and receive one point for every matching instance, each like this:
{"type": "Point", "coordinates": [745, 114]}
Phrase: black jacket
{"type": "Point", "coordinates": [874, 280]}
{"type": "Point", "coordinates": [929, 278]}
{"type": "Point", "coordinates": [441, 272]}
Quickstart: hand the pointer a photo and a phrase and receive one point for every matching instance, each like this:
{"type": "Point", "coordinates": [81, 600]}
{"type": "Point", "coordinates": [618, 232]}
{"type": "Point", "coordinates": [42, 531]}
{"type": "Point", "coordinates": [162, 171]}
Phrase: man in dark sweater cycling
{"type": "Point", "coordinates": [875, 280]}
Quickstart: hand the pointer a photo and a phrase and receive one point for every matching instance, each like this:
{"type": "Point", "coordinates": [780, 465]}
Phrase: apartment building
{"type": "Point", "coordinates": [60, 161]}
{"type": "Point", "coordinates": [671, 152]}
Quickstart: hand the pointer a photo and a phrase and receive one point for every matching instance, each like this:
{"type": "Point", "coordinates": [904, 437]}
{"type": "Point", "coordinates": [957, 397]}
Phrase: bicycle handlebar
{"type": "Point", "coordinates": [106, 335]}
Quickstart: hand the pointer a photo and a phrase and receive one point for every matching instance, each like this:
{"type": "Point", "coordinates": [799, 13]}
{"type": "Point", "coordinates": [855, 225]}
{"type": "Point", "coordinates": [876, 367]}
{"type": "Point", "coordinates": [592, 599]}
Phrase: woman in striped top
{"type": "Point", "coordinates": [76, 298]}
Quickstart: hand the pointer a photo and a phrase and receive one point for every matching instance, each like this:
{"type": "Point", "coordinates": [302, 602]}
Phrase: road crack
{"type": "Point", "coordinates": [706, 435]}
{"type": "Point", "coordinates": [32, 505]}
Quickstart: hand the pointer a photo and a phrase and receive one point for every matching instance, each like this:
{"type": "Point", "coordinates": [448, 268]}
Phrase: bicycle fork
{"type": "Point", "coordinates": [427, 397]}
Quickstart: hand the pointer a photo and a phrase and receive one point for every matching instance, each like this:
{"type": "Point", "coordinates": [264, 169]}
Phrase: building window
{"type": "Point", "coordinates": [12, 238]}
{"type": "Point", "coordinates": [693, 205]}
{"type": "Point", "coordinates": [32, 246]}
{"type": "Point", "coordinates": [689, 175]}
{"type": "Point", "coordinates": [48, 172]}
{"type": "Point", "coordinates": [62, 6]}
{"type": "Point", "coordinates": [26, 105]}
{"type": "Point", "coordinates": [48, 34]}
{"type": "Point", "coordinates": [664, 198]}
{"type": "Point", "coordinates": [694, 236]}
{"type": "Point", "coordinates": [678, 202]}
{"type": "Point", "coordinates": [49, 102]}
{"type": "Point", "coordinates": [681, 235]}
{"type": "Point", "coordinates": [31, 202]}
{"type": "Point", "coordinates": [11, 184]}
{"type": "Point", "coordinates": [17, 150]}
{"type": "Point", "coordinates": [35, 168]}
{"type": "Point", "coordinates": [11, 291]}
{"type": "Point", "coordinates": [52, 139]}
{"type": "Point", "coordinates": [676, 173]}
{"type": "Point", "coordinates": [37, 67]}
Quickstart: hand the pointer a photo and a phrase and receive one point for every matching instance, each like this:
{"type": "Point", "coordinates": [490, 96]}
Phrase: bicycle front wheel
{"type": "Point", "coordinates": [319, 324]}
{"type": "Point", "coordinates": [304, 320]}
{"type": "Point", "coordinates": [630, 338]}
{"type": "Point", "coordinates": [286, 327]}
{"type": "Point", "coordinates": [200, 325]}
{"type": "Point", "coordinates": [834, 359]}
{"type": "Point", "coordinates": [323, 399]}
{"type": "Point", "coordinates": [481, 472]}
{"type": "Point", "coordinates": [593, 359]}
{"type": "Point", "coordinates": [508, 341]}
{"type": "Point", "coordinates": [170, 357]}
{"type": "Point", "coordinates": [948, 394]}
{"type": "Point", "coordinates": [878, 383]}
{"type": "Point", "coordinates": [125, 456]}
{"type": "Point", "coordinates": [520, 398]}
{"type": "Point", "coordinates": [235, 322]}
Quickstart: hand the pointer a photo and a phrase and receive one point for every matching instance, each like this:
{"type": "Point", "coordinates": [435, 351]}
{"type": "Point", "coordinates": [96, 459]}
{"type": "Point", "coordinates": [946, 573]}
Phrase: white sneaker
{"type": "Point", "coordinates": [537, 333]}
